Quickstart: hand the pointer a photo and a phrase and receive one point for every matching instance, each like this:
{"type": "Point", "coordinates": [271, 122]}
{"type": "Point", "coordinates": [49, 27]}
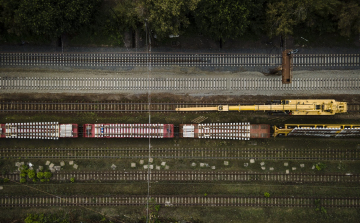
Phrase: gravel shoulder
{"type": "Point", "coordinates": [180, 72]}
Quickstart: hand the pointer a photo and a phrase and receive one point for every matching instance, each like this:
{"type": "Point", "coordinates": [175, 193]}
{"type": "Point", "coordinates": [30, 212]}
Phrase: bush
{"type": "Point", "coordinates": [72, 179]}
{"type": "Point", "coordinates": [34, 180]}
{"type": "Point", "coordinates": [31, 174]}
{"type": "Point", "coordinates": [47, 175]}
{"type": "Point", "coordinates": [22, 180]}
{"type": "Point", "coordinates": [22, 174]}
{"type": "Point", "coordinates": [40, 175]}
{"type": "Point", "coordinates": [42, 180]}
{"type": "Point", "coordinates": [266, 194]}
{"type": "Point", "coordinates": [6, 180]}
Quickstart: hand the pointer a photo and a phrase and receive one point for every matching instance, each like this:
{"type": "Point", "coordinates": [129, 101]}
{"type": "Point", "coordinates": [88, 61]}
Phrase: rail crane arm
{"type": "Point", "coordinates": [293, 107]}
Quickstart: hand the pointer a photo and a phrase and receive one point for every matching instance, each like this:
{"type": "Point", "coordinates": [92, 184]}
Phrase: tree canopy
{"type": "Point", "coordinates": [223, 19]}
{"type": "Point", "coordinates": [164, 17]}
{"type": "Point", "coordinates": [218, 19]}
{"type": "Point", "coordinates": [46, 17]}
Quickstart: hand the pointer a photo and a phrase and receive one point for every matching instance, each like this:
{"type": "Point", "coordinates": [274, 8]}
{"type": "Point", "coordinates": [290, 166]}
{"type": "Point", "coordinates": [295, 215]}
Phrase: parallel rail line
{"type": "Point", "coordinates": [158, 59]}
{"type": "Point", "coordinates": [270, 83]}
{"type": "Point", "coordinates": [350, 154]}
{"type": "Point", "coordinates": [199, 176]}
{"type": "Point", "coordinates": [126, 107]}
{"type": "Point", "coordinates": [171, 200]}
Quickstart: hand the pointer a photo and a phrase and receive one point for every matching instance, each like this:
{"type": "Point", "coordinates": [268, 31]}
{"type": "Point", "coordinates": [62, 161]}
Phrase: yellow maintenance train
{"type": "Point", "coordinates": [288, 106]}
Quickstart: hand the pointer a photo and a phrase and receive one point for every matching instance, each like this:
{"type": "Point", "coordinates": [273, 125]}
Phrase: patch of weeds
{"type": "Point", "coordinates": [320, 166]}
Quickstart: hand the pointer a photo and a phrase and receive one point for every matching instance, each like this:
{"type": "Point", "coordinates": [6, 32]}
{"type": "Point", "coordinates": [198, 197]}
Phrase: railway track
{"type": "Point", "coordinates": [199, 176]}
{"type": "Point", "coordinates": [168, 200]}
{"type": "Point", "coordinates": [189, 60]}
{"type": "Point", "coordinates": [177, 84]}
{"type": "Point", "coordinates": [126, 107]}
{"type": "Point", "coordinates": [350, 154]}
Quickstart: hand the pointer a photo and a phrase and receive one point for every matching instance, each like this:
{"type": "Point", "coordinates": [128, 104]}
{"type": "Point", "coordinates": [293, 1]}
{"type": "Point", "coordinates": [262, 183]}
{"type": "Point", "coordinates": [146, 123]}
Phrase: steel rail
{"type": "Point", "coordinates": [182, 153]}
{"type": "Point", "coordinates": [180, 200]}
{"type": "Point", "coordinates": [161, 59]}
{"type": "Point", "coordinates": [198, 176]}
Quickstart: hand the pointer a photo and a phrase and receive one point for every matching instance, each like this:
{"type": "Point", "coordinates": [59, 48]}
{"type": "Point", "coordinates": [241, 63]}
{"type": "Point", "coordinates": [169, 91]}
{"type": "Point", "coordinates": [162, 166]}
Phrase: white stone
{"type": "Point", "coordinates": [263, 168]}
{"type": "Point", "coordinates": [158, 167]}
{"type": "Point", "coordinates": [113, 167]}
{"type": "Point", "coordinates": [302, 165]}
{"type": "Point", "coordinates": [151, 167]}
{"type": "Point", "coordinates": [287, 171]}
{"type": "Point", "coordinates": [294, 168]}
{"type": "Point", "coordinates": [246, 164]}
{"type": "Point", "coordinates": [226, 163]}
{"type": "Point", "coordinates": [145, 167]}
{"type": "Point", "coordinates": [262, 163]}
{"type": "Point", "coordinates": [151, 160]}
{"type": "Point", "coordinates": [141, 162]}
{"type": "Point", "coordinates": [22, 163]}
{"type": "Point", "coordinates": [31, 168]}
{"type": "Point", "coordinates": [313, 167]}
{"type": "Point", "coordinates": [213, 167]}
{"type": "Point", "coordinates": [252, 160]}
{"type": "Point", "coordinates": [75, 166]}
{"type": "Point", "coordinates": [17, 164]}
{"type": "Point", "coordinates": [201, 164]}
{"type": "Point", "coordinates": [47, 163]}
{"type": "Point", "coordinates": [52, 170]}
{"type": "Point", "coordinates": [167, 167]}
{"type": "Point", "coordinates": [1, 187]}
{"type": "Point", "coordinates": [271, 168]}
{"type": "Point", "coordinates": [71, 162]}
{"type": "Point", "coordinates": [41, 167]}
{"type": "Point", "coordinates": [286, 164]}
{"type": "Point", "coordinates": [57, 168]}
{"type": "Point", "coordinates": [62, 163]}
{"type": "Point", "coordinates": [163, 163]}
{"type": "Point", "coordinates": [133, 165]}
{"type": "Point", "coordinates": [193, 164]}
{"type": "Point", "coordinates": [51, 165]}
{"type": "Point", "coordinates": [30, 164]}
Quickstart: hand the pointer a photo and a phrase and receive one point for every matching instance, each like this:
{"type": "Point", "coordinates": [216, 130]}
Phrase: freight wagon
{"type": "Point", "coordinates": [38, 130]}
{"type": "Point", "coordinates": [128, 131]}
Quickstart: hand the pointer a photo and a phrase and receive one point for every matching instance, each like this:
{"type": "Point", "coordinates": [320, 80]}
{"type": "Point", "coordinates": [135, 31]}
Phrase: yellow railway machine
{"type": "Point", "coordinates": [288, 106]}
{"type": "Point", "coordinates": [318, 130]}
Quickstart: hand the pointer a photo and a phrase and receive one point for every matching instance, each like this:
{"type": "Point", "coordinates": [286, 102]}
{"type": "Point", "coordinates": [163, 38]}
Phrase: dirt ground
{"type": "Point", "coordinates": [165, 97]}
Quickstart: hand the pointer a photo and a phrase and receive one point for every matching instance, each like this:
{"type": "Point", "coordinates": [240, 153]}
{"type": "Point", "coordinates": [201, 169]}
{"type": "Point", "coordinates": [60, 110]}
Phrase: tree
{"type": "Point", "coordinates": [163, 17]}
{"type": "Point", "coordinates": [283, 16]}
{"type": "Point", "coordinates": [349, 18]}
{"type": "Point", "coordinates": [223, 19]}
{"type": "Point", "coordinates": [169, 16]}
{"type": "Point", "coordinates": [50, 18]}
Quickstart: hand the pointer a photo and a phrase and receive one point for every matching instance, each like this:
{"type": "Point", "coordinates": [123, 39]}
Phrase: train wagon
{"type": "Point", "coordinates": [318, 130]}
{"type": "Point", "coordinates": [128, 131]}
{"type": "Point", "coordinates": [236, 131]}
{"type": "Point", "coordinates": [38, 130]}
